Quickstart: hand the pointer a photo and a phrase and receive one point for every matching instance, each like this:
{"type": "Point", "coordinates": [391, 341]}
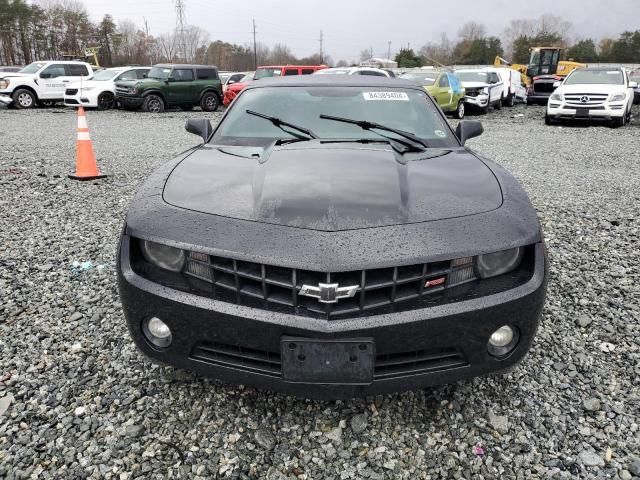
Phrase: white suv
{"type": "Point", "coordinates": [40, 82]}
{"type": "Point", "coordinates": [593, 94]}
{"type": "Point", "coordinates": [99, 91]}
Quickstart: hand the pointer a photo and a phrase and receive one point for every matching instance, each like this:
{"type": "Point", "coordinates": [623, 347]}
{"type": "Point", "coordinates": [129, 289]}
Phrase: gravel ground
{"type": "Point", "coordinates": [78, 401]}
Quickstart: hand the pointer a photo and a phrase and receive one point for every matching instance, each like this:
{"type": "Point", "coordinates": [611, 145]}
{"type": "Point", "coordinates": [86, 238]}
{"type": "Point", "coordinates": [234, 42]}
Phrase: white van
{"type": "Point", "coordinates": [512, 87]}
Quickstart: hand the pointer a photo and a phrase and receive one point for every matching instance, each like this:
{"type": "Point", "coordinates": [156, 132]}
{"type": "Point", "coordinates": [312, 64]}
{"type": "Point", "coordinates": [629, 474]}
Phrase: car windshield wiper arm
{"type": "Point", "coordinates": [367, 125]}
{"type": "Point", "coordinates": [281, 123]}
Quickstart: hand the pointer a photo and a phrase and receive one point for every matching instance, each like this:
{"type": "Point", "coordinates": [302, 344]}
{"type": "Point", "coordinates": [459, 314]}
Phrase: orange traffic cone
{"type": "Point", "coordinates": [86, 165]}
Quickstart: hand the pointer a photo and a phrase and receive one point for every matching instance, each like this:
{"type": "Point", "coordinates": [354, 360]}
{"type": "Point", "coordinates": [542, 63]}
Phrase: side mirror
{"type": "Point", "coordinates": [467, 129]}
{"type": "Point", "coordinates": [556, 84]}
{"type": "Point", "coordinates": [633, 84]}
{"type": "Point", "coordinates": [199, 126]}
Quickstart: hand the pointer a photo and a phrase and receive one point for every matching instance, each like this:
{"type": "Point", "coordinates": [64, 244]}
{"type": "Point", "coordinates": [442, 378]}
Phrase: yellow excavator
{"type": "Point", "coordinates": [543, 70]}
{"type": "Point", "coordinates": [90, 56]}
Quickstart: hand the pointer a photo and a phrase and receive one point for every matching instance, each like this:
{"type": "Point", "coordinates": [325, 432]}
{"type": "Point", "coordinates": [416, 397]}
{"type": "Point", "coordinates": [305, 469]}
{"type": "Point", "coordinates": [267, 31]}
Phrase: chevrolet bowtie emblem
{"type": "Point", "coordinates": [328, 292]}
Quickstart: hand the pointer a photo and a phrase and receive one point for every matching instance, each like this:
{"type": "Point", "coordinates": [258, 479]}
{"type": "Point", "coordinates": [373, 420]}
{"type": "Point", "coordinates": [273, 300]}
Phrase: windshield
{"type": "Point", "coordinates": [482, 77]}
{"type": "Point", "coordinates": [400, 108]}
{"type": "Point", "coordinates": [595, 77]}
{"type": "Point", "coordinates": [159, 73]}
{"type": "Point", "coordinates": [267, 72]}
{"type": "Point", "coordinates": [635, 76]}
{"type": "Point", "coordinates": [247, 78]}
{"type": "Point", "coordinates": [426, 79]}
{"type": "Point", "coordinates": [33, 67]}
{"type": "Point", "coordinates": [104, 75]}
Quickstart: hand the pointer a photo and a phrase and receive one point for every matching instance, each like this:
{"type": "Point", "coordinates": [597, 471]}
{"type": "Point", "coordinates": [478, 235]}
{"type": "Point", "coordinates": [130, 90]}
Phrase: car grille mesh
{"type": "Point", "coordinates": [277, 288]}
{"type": "Point", "coordinates": [590, 99]}
{"type": "Point", "coordinates": [71, 91]}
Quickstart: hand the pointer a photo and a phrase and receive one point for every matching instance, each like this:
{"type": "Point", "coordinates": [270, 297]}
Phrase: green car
{"type": "Point", "coordinates": [184, 86]}
{"type": "Point", "coordinates": [443, 86]}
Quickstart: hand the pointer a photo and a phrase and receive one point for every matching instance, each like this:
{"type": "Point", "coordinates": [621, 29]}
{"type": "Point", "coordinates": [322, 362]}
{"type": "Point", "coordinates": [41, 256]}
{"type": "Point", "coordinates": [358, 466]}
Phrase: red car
{"type": "Point", "coordinates": [268, 71]}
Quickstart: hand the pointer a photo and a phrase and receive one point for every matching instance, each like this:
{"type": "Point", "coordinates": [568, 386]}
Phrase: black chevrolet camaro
{"type": "Point", "coordinates": [333, 238]}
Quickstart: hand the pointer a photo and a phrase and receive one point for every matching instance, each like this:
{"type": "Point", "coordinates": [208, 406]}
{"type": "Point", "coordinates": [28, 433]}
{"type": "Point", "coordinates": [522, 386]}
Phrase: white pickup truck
{"type": "Point", "coordinates": [40, 83]}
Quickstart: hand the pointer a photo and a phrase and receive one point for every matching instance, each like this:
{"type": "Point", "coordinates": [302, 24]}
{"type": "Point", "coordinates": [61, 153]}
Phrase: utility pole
{"type": "Point", "coordinates": [181, 24]}
{"type": "Point", "coordinates": [146, 40]}
{"type": "Point", "coordinates": [255, 49]}
{"type": "Point", "coordinates": [389, 52]}
{"type": "Point", "coordinates": [321, 54]}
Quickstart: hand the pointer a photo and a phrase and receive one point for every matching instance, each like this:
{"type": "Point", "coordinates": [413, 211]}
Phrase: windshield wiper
{"type": "Point", "coordinates": [366, 125]}
{"type": "Point", "coordinates": [281, 123]}
{"type": "Point", "coordinates": [399, 145]}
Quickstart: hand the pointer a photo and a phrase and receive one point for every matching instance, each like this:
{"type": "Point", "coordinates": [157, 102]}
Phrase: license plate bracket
{"type": "Point", "coordinates": [582, 112]}
{"type": "Point", "coordinates": [328, 362]}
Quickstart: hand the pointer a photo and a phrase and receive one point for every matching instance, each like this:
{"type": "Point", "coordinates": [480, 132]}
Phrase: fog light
{"type": "Point", "coordinates": [502, 341]}
{"type": "Point", "coordinates": [157, 332]}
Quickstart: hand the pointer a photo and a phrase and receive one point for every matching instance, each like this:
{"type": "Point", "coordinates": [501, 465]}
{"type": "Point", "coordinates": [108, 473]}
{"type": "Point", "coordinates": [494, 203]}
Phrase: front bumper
{"type": "Point", "coordinates": [479, 101]}
{"type": "Point", "coordinates": [86, 99]}
{"type": "Point", "coordinates": [415, 348]}
{"type": "Point", "coordinates": [561, 110]}
{"type": "Point", "coordinates": [5, 99]}
{"type": "Point", "coordinates": [129, 101]}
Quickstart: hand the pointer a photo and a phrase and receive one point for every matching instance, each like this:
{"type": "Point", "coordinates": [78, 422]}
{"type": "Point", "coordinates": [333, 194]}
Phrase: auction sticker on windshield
{"type": "Point", "coordinates": [397, 96]}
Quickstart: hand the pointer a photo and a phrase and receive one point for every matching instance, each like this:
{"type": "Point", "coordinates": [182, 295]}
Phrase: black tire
{"type": "Point", "coordinates": [510, 101]}
{"type": "Point", "coordinates": [459, 112]}
{"type": "Point", "coordinates": [186, 108]}
{"type": "Point", "coordinates": [106, 101]}
{"type": "Point", "coordinates": [548, 120]}
{"type": "Point", "coordinates": [153, 104]}
{"type": "Point", "coordinates": [529, 102]}
{"type": "Point", "coordinates": [619, 122]}
{"type": "Point", "coordinates": [498, 106]}
{"type": "Point", "coordinates": [484, 110]}
{"type": "Point", "coordinates": [209, 102]}
{"type": "Point", "coordinates": [23, 98]}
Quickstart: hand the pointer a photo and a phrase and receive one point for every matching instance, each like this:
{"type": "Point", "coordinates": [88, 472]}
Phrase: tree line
{"type": "Point", "coordinates": [53, 29]}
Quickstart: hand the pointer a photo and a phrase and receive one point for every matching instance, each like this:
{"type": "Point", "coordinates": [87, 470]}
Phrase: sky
{"type": "Point", "coordinates": [350, 26]}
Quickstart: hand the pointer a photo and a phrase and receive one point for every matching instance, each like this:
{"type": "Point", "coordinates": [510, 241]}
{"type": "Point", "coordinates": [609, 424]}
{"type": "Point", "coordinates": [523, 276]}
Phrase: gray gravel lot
{"type": "Point", "coordinates": [79, 401]}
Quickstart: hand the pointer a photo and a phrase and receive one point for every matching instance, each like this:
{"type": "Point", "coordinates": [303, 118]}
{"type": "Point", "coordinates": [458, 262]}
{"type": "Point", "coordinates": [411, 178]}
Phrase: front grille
{"type": "Point", "coordinates": [544, 86]}
{"type": "Point", "coordinates": [591, 99]}
{"type": "Point", "coordinates": [387, 366]}
{"type": "Point", "coordinates": [278, 288]}
{"type": "Point", "coordinates": [71, 91]}
{"type": "Point", "coordinates": [123, 91]}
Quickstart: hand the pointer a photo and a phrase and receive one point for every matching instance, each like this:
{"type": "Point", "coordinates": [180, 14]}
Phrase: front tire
{"type": "Point", "coordinates": [153, 104]}
{"type": "Point", "coordinates": [23, 98]}
{"type": "Point", "coordinates": [209, 102]}
{"type": "Point", "coordinates": [619, 121]}
{"type": "Point", "coordinates": [498, 106]}
{"type": "Point", "coordinates": [459, 113]}
{"type": "Point", "coordinates": [106, 101]}
{"type": "Point", "coordinates": [548, 120]}
{"type": "Point", "coordinates": [511, 101]}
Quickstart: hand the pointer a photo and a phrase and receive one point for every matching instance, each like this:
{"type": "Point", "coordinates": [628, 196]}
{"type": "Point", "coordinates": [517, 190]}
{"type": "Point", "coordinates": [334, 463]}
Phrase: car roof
{"type": "Point", "coordinates": [601, 69]}
{"type": "Point", "coordinates": [183, 65]}
{"type": "Point", "coordinates": [334, 80]}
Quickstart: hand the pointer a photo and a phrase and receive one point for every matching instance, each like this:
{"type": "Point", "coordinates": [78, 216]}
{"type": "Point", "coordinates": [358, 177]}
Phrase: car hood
{"type": "Point", "coordinates": [591, 88]}
{"type": "Point", "coordinates": [474, 84]}
{"type": "Point", "coordinates": [16, 74]}
{"type": "Point", "coordinates": [332, 187]}
{"type": "Point", "coordinates": [91, 83]}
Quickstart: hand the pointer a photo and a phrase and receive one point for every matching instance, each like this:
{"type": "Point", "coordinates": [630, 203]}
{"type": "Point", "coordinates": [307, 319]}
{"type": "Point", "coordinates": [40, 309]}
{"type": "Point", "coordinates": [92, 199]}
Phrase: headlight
{"type": "Point", "coordinates": [617, 97]}
{"type": "Point", "coordinates": [498, 263]}
{"type": "Point", "coordinates": [4, 84]}
{"type": "Point", "coordinates": [163, 256]}
{"type": "Point", "coordinates": [556, 96]}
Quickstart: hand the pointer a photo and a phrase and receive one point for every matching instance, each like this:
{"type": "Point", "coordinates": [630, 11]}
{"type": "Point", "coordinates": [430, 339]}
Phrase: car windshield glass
{"type": "Point", "coordinates": [409, 110]}
{"type": "Point", "coordinates": [595, 77]}
{"type": "Point", "coordinates": [267, 72]}
{"type": "Point", "coordinates": [473, 76]}
{"type": "Point", "coordinates": [33, 67]}
{"type": "Point", "coordinates": [426, 79]}
{"type": "Point", "coordinates": [104, 75]}
{"type": "Point", "coordinates": [159, 73]}
{"type": "Point", "coordinates": [247, 78]}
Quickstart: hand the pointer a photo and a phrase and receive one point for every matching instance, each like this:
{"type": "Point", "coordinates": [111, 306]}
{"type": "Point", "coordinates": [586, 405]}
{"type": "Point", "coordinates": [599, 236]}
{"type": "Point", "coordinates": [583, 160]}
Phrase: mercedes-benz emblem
{"type": "Point", "coordinates": [328, 292]}
{"type": "Point", "coordinates": [584, 99]}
